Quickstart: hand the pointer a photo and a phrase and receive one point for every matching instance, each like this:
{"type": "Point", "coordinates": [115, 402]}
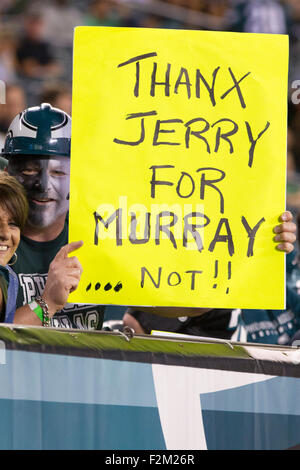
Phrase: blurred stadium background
{"type": "Point", "coordinates": [36, 50]}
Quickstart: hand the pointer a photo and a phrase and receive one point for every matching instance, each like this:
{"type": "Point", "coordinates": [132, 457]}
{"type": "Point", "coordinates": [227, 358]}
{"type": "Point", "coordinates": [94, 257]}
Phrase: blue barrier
{"type": "Point", "coordinates": [71, 389]}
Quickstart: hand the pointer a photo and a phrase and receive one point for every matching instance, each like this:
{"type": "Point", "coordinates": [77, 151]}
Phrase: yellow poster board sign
{"type": "Point", "coordinates": [178, 164]}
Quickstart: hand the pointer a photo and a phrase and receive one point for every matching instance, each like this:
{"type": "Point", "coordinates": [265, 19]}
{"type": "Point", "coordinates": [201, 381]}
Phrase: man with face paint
{"type": "Point", "coordinates": [37, 147]}
{"type": "Point", "coordinates": [47, 182]}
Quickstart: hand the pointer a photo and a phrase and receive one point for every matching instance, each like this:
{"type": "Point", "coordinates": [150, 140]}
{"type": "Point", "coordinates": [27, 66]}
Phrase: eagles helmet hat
{"type": "Point", "coordinates": [39, 130]}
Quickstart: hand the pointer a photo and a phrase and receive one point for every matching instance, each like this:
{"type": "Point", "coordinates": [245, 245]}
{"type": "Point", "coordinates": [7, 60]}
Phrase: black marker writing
{"type": "Point", "coordinates": [236, 87]}
{"type": "Point", "coordinates": [142, 136]}
{"type": "Point", "coordinates": [254, 141]}
{"type": "Point", "coordinates": [181, 80]}
{"type": "Point", "coordinates": [117, 215]}
{"type": "Point", "coordinates": [137, 60]}
{"type": "Point", "coordinates": [223, 238]}
{"type": "Point", "coordinates": [172, 279]}
{"type": "Point", "coordinates": [251, 233]}
{"type": "Point", "coordinates": [207, 179]}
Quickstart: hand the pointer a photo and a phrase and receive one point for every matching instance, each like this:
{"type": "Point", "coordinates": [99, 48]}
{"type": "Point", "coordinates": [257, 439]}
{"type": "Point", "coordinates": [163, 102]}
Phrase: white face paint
{"type": "Point", "coordinates": [47, 182]}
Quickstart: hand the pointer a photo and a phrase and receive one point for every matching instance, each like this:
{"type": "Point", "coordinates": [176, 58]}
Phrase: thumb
{"type": "Point", "coordinates": [65, 250]}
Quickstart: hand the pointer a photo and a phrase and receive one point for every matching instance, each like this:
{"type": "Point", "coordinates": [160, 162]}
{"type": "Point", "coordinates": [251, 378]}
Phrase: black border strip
{"type": "Point", "coordinates": [235, 364]}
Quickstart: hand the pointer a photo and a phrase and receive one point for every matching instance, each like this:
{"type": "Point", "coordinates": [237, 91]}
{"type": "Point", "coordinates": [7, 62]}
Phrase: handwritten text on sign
{"type": "Point", "coordinates": [178, 166]}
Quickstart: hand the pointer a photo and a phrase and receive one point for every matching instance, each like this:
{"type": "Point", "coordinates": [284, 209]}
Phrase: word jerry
{"type": "Point", "coordinates": [211, 135]}
{"type": "Point", "coordinates": [190, 223]}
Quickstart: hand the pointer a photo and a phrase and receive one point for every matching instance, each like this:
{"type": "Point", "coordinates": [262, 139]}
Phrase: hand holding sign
{"type": "Point", "coordinates": [63, 277]}
{"type": "Point", "coordinates": [285, 232]}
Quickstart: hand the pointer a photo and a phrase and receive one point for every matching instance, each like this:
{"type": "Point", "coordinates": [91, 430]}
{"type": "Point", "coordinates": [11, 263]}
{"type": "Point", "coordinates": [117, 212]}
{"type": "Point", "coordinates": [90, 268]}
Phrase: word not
{"type": "Point", "coordinates": [183, 80]}
{"type": "Point", "coordinates": [192, 129]}
{"type": "Point", "coordinates": [189, 227]}
{"type": "Point", "coordinates": [173, 279]}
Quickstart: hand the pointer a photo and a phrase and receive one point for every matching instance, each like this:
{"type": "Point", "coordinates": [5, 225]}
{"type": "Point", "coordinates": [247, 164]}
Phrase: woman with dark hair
{"type": "Point", "coordinates": [13, 214]}
{"type": "Point", "coordinates": [63, 276]}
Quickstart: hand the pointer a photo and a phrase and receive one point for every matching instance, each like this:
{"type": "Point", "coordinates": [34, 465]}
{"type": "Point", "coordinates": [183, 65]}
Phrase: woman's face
{"type": "Point", "coordinates": [9, 236]}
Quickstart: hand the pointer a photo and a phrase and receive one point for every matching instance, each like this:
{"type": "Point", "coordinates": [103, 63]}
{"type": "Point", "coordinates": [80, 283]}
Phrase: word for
{"type": "Point", "coordinates": [183, 80]}
{"type": "Point", "coordinates": [223, 133]}
{"type": "Point", "coordinates": [188, 228]}
{"type": "Point", "coordinates": [207, 179]}
{"type": "Point", "coordinates": [107, 286]}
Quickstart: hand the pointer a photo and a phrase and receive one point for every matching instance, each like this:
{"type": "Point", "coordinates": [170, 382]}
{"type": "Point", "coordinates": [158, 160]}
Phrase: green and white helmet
{"type": "Point", "coordinates": [40, 130]}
